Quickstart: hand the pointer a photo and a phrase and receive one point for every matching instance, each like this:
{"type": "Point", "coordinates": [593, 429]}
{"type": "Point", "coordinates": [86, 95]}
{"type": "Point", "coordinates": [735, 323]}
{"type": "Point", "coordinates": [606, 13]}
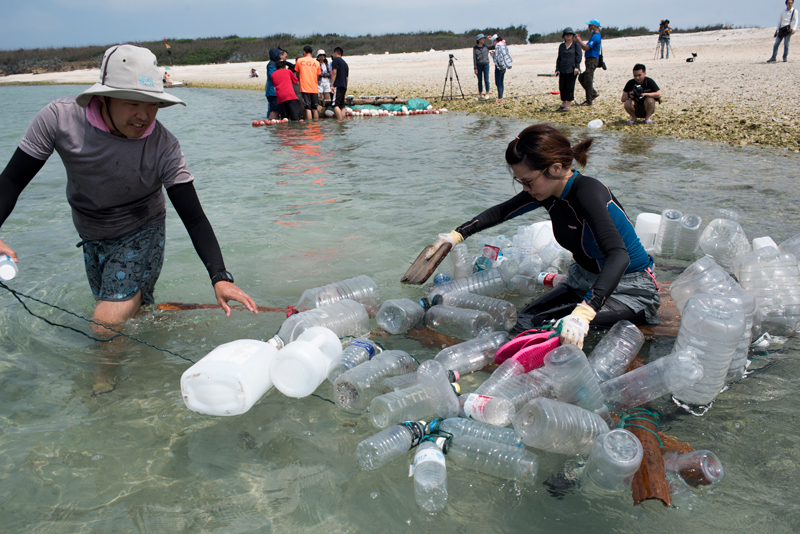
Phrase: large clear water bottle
{"type": "Point", "coordinates": [302, 365]}
{"type": "Point", "coordinates": [647, 383]}
{"type": "Point", "coordinates": [431, 394]}
{"type": "Point", "coordinates": [430, 476]}
{"type": "Point", "coordinates": [472, 355]}
{"type": "Point", "coordinates": [8, 269]}
{"type": "Point", "coordinates": [667, 236]}
{"type": "Point", "coordinates": [574, 381]}
{"type": "Point", "coordinates": [511, 463]}
{"type": "Point", "coordinates": [458, 426]}
{"type": "Point", "coordinates": [722, 213]}
{"type": "Point", "coordinates": [491, 282]}
{"type": "Point", "coordinates": [703, 272]}
{"type": "Point", "coordinates": [508, 369]}
{"type": "Point", "coordinates": [459, 323]}
{"type": "Point", "coordinates": [615, 352]}
{"type": "Point", "coordinates": [357, 352]}
{"type": "Point", "coordinates": [559, 427]}
{"type": "Point", "coordinates": [711, 328]}
{"type": "Point", "coordinates": [791, 246]}
{"type": "Point", "coordinates": [497, 411]}
{"type": "Point", "coordinates": [724, 240]}
{"type": "Point", "coordinates": [615, 458]}
{"type": "Point", "coordinates": [355, 389]}
{"type": "Point", "coordinates": [397, 316]}
{"type": "Point", "coordinates": [388, 444]}
{"type": "Point", "coordinates": [774, 279]}
{"type": "Point", "coordinates": [523, 388]}
{"type": "Point", "coordinates": [462, 263]}
{"type": "Point", "coordinates": [688, 237]}
{"type": "Point", "coordinates": [360, 289]}
{"type": "Point", "coordinates": [229, 379]}
{"type": "Point", "coordinates": [696, 468]}
{"type": "Point", "coordinates": [346, 318]}
{"type": "Point", "coordinates": [394, 383]}
{"type": "Point", "coordinates": [503, 312]}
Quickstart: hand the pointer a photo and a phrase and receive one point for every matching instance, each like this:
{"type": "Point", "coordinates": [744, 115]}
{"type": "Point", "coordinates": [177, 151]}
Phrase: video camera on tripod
{"type": "Point", "coordinates": [451, 69]}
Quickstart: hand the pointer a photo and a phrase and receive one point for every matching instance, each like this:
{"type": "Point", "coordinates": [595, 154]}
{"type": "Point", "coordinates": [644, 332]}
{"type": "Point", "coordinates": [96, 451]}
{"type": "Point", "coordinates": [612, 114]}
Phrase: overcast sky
{"type": "Point", "coordinates": [46, 23]}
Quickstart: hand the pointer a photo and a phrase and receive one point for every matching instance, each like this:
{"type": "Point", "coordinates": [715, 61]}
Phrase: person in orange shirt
{"type": "Point", "coordinates": [307, 69]}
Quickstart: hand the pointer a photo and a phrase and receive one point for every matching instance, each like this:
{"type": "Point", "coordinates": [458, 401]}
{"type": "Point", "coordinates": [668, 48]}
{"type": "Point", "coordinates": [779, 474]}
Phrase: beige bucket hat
{"type": "Point", "coordinates": [130, 72]}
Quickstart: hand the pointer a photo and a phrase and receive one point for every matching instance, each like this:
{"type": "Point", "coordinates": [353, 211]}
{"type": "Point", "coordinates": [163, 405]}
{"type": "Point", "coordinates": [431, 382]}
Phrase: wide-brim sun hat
{"type": "Point", "coordinates": [594, 22]}
{"type": "Point", "coordinates": [567, 30]}
{"type": "Point", "coordinates": [321, 52]}
{"type": "Point", "coordinates": [129, 72]}
{"type": "Point", "coordinates": [480, 36]}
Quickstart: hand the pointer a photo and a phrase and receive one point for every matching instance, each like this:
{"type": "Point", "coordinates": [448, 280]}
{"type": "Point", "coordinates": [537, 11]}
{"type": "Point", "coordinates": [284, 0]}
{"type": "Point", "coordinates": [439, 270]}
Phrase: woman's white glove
{"type": "Point", "coordinates": [575, 326]}
{"type": "Point", "coordinates": [454, 238]}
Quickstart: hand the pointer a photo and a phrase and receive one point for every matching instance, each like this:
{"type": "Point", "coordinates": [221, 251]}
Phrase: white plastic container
{"type": "Point", "coordinates": [229, 379]}
{"type": "Point", "coordinates": [8, 269]}
{"type": "Point", "coordinates": [301, 366]}
{"type": "Point", "coordinates": [647, 228]}
{"type": "Point", "coordinates": [761, 242]}
{"type": "Point", "coordinates": [596, 124]}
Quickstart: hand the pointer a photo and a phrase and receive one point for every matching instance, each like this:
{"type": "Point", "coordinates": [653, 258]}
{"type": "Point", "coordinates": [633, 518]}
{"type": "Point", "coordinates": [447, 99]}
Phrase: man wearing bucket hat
{"type": "Point", "coordinates": [118, 158]}
{"type": "Point", "coordinates": [591, 62]}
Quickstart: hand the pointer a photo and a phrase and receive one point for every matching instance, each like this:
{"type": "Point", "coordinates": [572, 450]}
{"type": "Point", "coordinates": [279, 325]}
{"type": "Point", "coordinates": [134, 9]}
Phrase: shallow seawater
{"type": "Point", "coordinates": [298, 206]}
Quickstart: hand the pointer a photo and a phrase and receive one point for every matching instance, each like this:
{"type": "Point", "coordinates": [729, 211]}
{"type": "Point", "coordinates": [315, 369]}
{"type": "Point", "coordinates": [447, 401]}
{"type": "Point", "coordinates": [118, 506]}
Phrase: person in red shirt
{"type": "Point", "coordinates": [284, 81]}
{"type": "Point", "coordinates": [308, 70]}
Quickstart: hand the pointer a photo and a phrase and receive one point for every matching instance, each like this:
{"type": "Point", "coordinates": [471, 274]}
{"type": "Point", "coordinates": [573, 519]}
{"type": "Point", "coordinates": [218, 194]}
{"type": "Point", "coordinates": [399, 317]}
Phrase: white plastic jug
{"type": "Point", "coordinates": [229, 379]}
{"type": "Point", "coordinates": [302, 365]}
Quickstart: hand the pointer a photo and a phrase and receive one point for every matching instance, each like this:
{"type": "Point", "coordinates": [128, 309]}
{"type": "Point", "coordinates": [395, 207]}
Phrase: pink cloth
{"type": "Point", "coordinates": [95, 117]}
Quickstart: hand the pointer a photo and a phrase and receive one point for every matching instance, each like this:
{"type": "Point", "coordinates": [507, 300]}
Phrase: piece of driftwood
{"type": "Point", "coordinates": [650, 481]}
{"type": "Point", "coordinates": [181, 306]}
{"type": "Point", "coordinates": [422, 269]}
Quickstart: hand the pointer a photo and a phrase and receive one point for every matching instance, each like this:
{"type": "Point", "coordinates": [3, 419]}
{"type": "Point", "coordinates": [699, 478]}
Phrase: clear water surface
{"type": "Point", "coordinates": [298, 206]}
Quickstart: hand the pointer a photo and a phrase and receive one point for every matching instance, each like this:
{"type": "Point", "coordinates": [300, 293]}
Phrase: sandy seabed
{"type": "Point", "coordinates": [728, 94]}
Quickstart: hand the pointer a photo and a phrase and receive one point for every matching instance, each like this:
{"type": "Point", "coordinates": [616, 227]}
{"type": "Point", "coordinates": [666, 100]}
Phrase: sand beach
{"type": "Point", "coordinates": [728, 94]}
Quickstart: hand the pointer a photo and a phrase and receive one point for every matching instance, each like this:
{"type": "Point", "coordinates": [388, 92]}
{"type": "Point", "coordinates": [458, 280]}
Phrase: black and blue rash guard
{"type": "Point", "coordinates": [589, 222]}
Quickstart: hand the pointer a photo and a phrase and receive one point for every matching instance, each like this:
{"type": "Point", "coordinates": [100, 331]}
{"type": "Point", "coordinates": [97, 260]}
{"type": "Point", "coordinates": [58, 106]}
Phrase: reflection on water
{"type": "Point", "coordinates": [297, 206]}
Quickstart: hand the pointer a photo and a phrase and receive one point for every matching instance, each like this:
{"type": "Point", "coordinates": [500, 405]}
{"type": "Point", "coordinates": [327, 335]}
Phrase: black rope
{"type": "Point", "coordinates": [323, 398]}
{"type": "Point", "coordinates": [18, 294]}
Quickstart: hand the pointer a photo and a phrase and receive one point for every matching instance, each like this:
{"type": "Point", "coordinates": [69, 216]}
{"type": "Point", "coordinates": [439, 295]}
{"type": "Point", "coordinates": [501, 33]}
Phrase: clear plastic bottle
{"type": "Point", "coordinates": [725, 241]}
{"type": "Point", "coordinates": [615, 458]}
{"type": "Point", "coordinates": [574, 381]}
{"type": "Point", "coordinates": [559, 427]}
{"type": "Point", "coordinates": [462, 263]}
{"type": "Point", "coordinates": [397, 316]}
{"type": "Point", "coordinates": [667, 236]}
{"type": "Point", "coordinates": [774, 279]}
{"type": "Point", "coordinates": [503, 312]}
{"type": "Point", "coordinates": [615, 352]}
{"type": "Point", "coordinates": [696, 468]}
{"type": "Point", "coordinates": [524, 286]}
{"type": "Point", "coordinates": [688, 237]}
{"type": "Point", "coordinates": [431, 394]}
{"type": "Point", "coordinates": [388, 444]}
{"type": "Point", "coordinates": [346, 318]}
{"type": "Point", "coordinates": [8, 269]}
{"type": "Point", "coordinates": [360, 289]}
{"type": "Point", "coordinates": [430, 476]}
{"type": "Point", "coordinates": [394, 383]}
{"type": "Point", "coordinates": [554, 255]}
{"type": "Point", "coordinates": [458, 426]}
{"type": "Point", "coordinates": [549, 279]}
{"type": "Point", "coordinates": [459, 323]}
{"type": "Point", "coordinates": [711, 328]}
{"type": "Point", "coordinates": [355, 389]}
{"type": "Point", "coordinates": [791, 246]}
{"type": "Point", "coordinates": [302, 365]}
{"type": "Point", "coordinates": [508, 369]}
{"type": "Point", "coordinates": [703, 272]}
{"type": "Point", "coordinates": [731, 215]}
{"type": "Point", "coordinates": [666, 375]}
{"type": "Point", "coordinates": [357, 352]}
{"type": "Point", "coordinates": [522, 389]}
{"type": "Point", "coordinates": [472, 355]}
{"type": "Point", "coordinates": [497, 411]}
{"type": "Point", "coordinates": [531, 267]}
{"type": "Point", "coordinates": [511, 463]}
{"type": "Point", "coordinates": [491, 282]}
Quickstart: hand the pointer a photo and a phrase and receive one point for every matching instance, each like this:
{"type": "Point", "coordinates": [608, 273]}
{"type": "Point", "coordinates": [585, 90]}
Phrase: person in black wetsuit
{"type": "Point", "coordinates": [612, 277]}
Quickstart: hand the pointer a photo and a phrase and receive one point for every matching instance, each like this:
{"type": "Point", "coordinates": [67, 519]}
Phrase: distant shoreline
{"type": "Point", "coordinates": [729, 94]}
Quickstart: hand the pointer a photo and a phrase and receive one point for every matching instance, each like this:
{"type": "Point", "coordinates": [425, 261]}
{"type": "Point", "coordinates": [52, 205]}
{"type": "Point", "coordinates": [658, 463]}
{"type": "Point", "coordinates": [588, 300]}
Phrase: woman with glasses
{"type": "Point", "coordinates": [611, 278]}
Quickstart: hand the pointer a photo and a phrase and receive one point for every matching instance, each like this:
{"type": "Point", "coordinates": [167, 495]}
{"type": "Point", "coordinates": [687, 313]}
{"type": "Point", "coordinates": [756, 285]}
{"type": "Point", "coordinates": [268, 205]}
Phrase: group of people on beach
{"type": "Point", "coordinates": [297, 91]}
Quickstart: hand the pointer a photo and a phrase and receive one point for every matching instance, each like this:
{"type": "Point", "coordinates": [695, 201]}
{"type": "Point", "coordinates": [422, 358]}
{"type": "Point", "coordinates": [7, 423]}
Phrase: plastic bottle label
{"type": "Point", "coordinates": [426, 455]}
{"type": "Point", "coordinates": [490, 252]}
{"type": "Point", "coordinates": [545, 279]}
{"type": "Point", "coordinates": [475, 407]}
{"type": "Point", "coordinates": [364, 345]}
{"type": "Point", "coordinates": [417, 431]}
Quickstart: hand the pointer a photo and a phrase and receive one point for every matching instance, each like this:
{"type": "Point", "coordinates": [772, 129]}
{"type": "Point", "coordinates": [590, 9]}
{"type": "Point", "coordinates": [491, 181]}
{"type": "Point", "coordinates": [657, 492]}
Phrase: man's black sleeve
{"type": "Point", "coordinates": [187, 204]}
{"type": "Point", "coordinates": [629, 86]}
{"type": "Point", "coordinates": [15, 177]}
{"type": "Point", "coordinates": [652, 86]}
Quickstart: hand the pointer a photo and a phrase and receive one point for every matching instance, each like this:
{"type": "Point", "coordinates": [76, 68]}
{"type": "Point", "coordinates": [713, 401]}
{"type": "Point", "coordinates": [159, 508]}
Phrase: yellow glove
{"type": "Point", "coordinates": [575, 326]}
{"type": "Point", "coordinates": [454, 238]}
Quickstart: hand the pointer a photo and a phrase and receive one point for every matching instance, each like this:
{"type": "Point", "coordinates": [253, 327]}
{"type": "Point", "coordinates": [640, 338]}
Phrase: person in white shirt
{"type": "Point", "coordinates": [787, 25]}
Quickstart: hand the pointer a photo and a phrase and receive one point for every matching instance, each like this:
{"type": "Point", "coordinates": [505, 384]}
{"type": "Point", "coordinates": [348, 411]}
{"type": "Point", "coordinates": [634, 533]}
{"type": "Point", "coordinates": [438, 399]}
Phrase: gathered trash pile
{"type": "Point", "coordinates": [541, 396]}
{"type": "Point", "coordinates": [415, 106]}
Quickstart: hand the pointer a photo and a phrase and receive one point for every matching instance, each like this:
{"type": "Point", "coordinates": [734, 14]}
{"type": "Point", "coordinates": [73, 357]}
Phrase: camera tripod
{"type": "Point", "coordinates": [451, 69]}
{"type": "Point", "coordinates": [668, 47]}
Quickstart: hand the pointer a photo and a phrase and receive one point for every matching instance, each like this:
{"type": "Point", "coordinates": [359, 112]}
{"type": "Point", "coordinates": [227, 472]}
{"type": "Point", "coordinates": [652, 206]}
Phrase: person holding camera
{"type": "Point", "coordinates": [787, 25]}
{"type": "Point", "coordinates": [640, 95]}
